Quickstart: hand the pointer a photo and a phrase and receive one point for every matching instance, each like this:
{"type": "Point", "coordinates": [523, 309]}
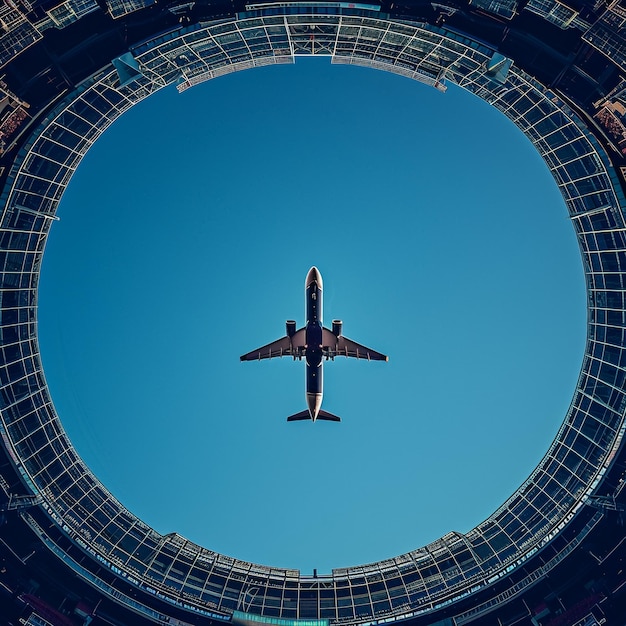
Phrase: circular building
{"type": "Point", "coordinates": [552, 552]}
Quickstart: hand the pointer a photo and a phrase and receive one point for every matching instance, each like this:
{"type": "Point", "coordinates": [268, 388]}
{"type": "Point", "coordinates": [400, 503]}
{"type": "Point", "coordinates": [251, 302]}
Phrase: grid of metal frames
{"type": "Point", "coordinates": [454, 566]}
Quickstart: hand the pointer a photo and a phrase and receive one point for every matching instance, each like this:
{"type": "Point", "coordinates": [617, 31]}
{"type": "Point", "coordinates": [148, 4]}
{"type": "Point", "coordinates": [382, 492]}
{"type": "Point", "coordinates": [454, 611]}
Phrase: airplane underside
{"type": "Point", "coordinates": [316, 343]}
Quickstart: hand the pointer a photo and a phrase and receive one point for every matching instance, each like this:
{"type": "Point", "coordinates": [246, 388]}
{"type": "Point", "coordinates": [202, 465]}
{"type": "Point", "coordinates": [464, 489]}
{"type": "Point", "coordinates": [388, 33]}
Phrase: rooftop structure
{"type": "Point", "coordinates": [556, 71]}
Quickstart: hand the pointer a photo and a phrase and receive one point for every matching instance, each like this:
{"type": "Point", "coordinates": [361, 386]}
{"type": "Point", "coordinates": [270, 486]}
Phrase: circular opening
{"type": "Point", "coordinates": [184, 242]}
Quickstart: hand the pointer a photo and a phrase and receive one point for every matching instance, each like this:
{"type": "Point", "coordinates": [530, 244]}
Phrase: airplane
{"type": "Point", "coordinates": [315, 343]}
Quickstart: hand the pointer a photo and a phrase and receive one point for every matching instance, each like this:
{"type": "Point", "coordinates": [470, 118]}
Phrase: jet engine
{"type": "Point", "coordinates": [291, 328]}
{"type": "Point", "coordinates": [337, 326]}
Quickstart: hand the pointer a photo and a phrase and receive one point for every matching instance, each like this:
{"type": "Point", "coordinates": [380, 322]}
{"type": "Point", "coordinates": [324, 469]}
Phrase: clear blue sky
{"type": "Point", "coordinates": [184, 241]}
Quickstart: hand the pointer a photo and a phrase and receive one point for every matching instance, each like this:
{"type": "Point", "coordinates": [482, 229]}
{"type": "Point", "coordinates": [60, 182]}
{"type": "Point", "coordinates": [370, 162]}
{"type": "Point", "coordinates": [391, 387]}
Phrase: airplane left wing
{"type": "Point", "coordinates": [334, 345]}
{"type": "Point", "coordinates": [285, 346]}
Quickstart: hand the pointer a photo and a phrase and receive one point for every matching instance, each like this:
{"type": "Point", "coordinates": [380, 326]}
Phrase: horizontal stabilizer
{"type": "Point", "coordinates": [303, 415]}
{"type": "Point", "coordinates": [329, 417]}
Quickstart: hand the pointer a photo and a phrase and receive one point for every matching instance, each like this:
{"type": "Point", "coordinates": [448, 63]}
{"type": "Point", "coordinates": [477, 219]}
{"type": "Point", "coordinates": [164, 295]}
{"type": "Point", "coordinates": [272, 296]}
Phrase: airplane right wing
{"type": "Point", "coordinates": [334, 345]}
{"type": "Point", "coordinates": [285, 346]}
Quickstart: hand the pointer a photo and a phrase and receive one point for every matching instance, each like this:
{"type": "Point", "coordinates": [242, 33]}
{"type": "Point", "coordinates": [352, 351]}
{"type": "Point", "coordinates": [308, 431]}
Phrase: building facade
{"type": "Point", "coordinates": [552, 553]}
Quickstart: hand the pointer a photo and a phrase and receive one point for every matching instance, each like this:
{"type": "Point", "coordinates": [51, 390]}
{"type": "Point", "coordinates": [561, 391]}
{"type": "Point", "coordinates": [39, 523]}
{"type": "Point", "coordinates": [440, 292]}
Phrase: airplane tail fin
{"type": "Point", "coordinates": [303, 415]}
{"type": "Point", "coordinates": [322, 415]}
{"type": "Point", "coordinates": [329, 417]}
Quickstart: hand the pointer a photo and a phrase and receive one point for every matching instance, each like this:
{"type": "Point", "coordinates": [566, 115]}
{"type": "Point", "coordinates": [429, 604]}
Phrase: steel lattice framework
{"type": "Point", "coordinates": [542, 523]}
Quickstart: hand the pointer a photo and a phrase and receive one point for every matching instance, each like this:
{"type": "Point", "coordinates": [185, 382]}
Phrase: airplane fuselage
{"type": "Point", "coordinates": [313, 349]}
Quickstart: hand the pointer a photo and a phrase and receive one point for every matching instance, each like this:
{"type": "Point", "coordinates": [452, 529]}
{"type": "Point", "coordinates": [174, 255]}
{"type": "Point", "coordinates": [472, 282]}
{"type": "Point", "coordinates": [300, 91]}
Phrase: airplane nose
{"type": "Point", "coordinates": [313, 275]}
